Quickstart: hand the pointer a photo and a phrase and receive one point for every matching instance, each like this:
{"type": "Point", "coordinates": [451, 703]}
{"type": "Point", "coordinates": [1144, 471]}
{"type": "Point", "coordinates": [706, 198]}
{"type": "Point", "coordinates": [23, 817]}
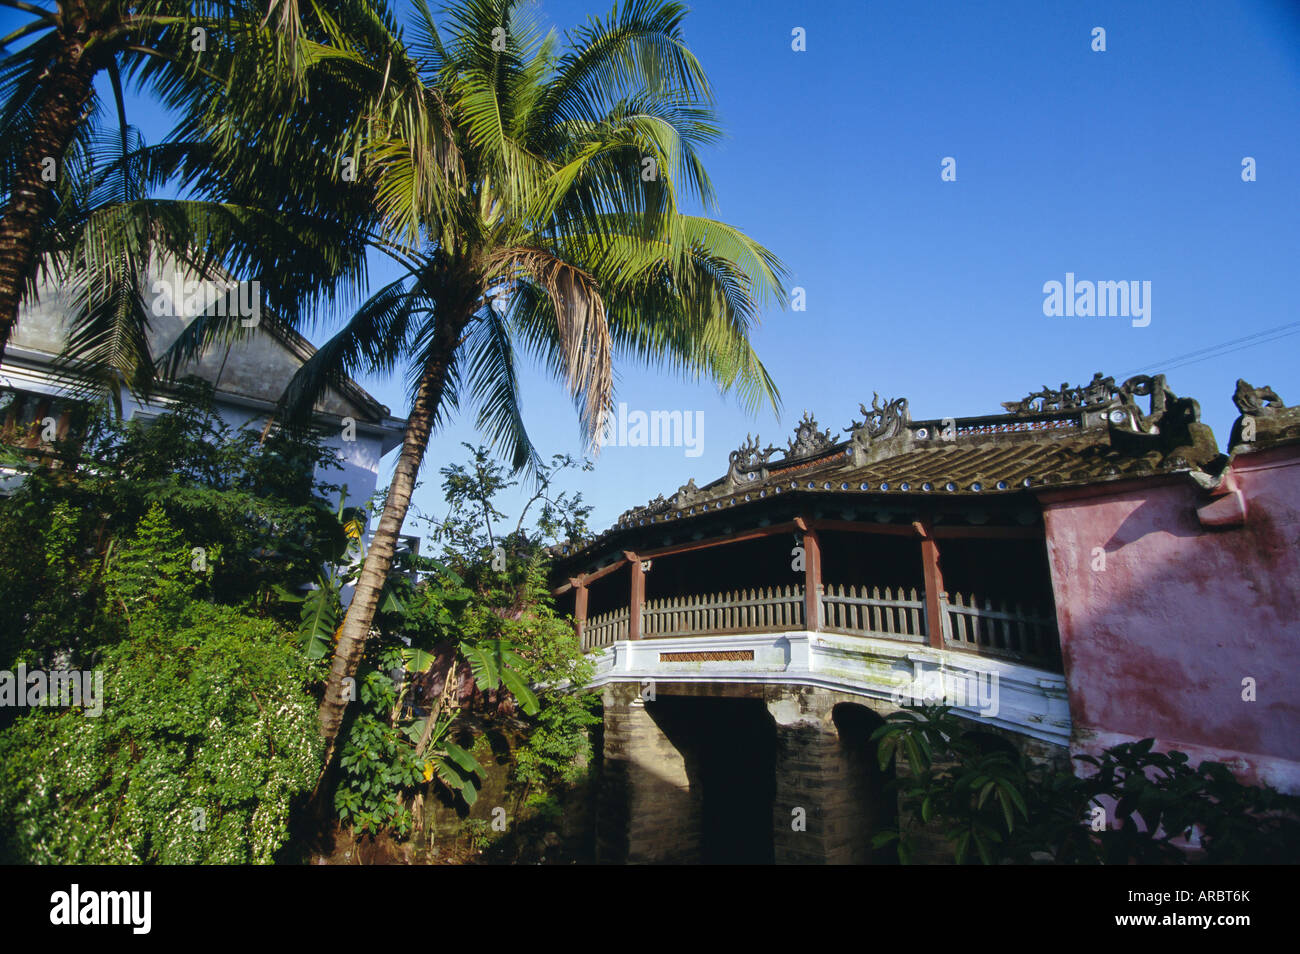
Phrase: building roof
{"type": "Point", "coordinates": [253, 370]}
{"type": "Point", "coordinates": [1053, 438]}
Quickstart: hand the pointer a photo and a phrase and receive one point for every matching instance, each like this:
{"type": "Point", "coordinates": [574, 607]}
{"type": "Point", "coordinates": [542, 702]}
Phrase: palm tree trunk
{"type": "Point", "coordinates": [60, 107]}
{"type": "Point", "coordinates": [379, 558]}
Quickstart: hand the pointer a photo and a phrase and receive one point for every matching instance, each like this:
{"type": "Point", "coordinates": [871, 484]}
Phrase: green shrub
{"type": "Point", "coordinates": [205, 738]}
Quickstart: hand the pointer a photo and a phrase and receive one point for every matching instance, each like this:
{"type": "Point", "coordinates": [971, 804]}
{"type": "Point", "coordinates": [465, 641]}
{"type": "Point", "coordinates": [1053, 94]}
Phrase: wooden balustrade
{"type": "Point", "coordinates": [605, 629]}
{"type": "Point", "coordinates": [1004, 629]}
{"type": "Point", "coordinates": [773, 609]}
{"type": "Point", "coordinates": [900, 616]}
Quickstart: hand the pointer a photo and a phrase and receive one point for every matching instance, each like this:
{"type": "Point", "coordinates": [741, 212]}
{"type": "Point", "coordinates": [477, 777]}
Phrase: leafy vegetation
{"type": "Point", "coordinates": [1136, 805]}
{"type": "Point", "coordinates": [207, 733]}
{"type": "Point", "coordinates": [200, 570]}
{"type": "Point", "coordinates": [466, 630]}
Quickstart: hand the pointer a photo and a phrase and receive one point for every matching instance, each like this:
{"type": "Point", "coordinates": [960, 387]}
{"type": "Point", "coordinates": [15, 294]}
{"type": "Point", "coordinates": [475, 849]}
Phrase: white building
{"type": "Point", "coordinates": [247, 376]}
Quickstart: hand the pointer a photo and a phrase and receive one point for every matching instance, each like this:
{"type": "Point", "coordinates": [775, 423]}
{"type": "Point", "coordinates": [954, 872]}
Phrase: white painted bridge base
{"type": "Point", "coordinates": [1011, 696]}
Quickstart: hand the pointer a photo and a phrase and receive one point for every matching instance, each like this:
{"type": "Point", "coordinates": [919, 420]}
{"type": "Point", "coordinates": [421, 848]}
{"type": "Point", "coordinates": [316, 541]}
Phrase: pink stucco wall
{"type": "Point", "coordinates": [1160, 641]}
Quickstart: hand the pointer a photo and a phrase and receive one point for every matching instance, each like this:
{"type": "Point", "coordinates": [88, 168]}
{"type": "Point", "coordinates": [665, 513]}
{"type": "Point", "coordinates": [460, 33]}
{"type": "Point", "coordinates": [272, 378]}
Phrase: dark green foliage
{"type": "Point", "coordinates": [205, 738]}
{"type": "Point", "coordinates": [148, 555]}
{"type": "Point", "coordinates": [1137, 806]}
{"type": "Point", "coordinates": [521, 608]}
{"type": "Point", "coordinates": [472, 621]}
{"type": "Point", "coordinates": [252, 508]}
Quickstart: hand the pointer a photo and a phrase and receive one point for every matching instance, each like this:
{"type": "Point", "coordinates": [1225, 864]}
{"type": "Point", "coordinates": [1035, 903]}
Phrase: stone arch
{"type": "Point", "coordinates": [870, 803]}
{"type": "Point", "coordinates": [727, 746]}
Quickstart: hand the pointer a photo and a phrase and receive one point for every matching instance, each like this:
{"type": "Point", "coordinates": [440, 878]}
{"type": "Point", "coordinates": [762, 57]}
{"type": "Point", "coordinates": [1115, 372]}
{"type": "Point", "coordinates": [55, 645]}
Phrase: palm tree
{"type": "Point", "coordinates": [560, 232]}
{"type": "Point", "coordinates": [48, 92]}
{"type": "Point", "coordinates": [224, 65]}
{"type": "Point", "coordinates": [233, 192]}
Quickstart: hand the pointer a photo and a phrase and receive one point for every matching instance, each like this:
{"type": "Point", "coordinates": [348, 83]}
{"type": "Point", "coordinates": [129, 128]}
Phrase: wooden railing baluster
{"type": "Point", "coordinates": [1001, 627]}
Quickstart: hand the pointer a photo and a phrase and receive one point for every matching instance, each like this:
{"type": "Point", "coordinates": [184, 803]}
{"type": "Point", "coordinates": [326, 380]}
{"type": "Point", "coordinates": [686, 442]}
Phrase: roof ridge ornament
{"type": "Point", "coordinates": [881, 423]}
{"type": "Point", "coordinates": [685, 496]}
{"type": "Point", "coordinates": [1256, 401]}
{"type": "Point", "coordinates": [1264, 419]}
{"type": "Point", "coordinates": [1100, 390]}
{"type": "Point", "coordinates": [1173, 427]}
{"type": "Point", "coordinates": [808, 438]}
{"type": "Point", "coordinates": [652, 509]}
{"type": "Point", "coordinates": [1168, 410]}
{"type": "Point", "coordinates": [747, 463]}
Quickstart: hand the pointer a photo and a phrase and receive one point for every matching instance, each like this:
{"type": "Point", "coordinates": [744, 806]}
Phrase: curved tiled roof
{"type": "Point", "coordinates": [1054, 438]}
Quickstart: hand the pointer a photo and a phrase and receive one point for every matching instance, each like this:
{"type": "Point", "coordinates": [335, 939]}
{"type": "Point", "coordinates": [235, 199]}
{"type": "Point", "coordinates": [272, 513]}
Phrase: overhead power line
{"type": "Point", "coordinates": [1218, 350]}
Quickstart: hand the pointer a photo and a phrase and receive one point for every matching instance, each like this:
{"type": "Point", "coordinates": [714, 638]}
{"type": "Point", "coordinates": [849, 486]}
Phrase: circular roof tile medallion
{"type": "Point", "coordinates": [691, 511]}
{"type": "Point", "coordinates": [977, 486]}
{"type": "Point", "coordinates": [927, 486]}
{"type": "Point", "coordinates": [950, 487]}
{"type": "Point", "coordinates": [844, 486]}
{"type": "Point", "coordinates": [1026, 482]}
{"type": "Point", "coordinates": [1002, 485]}
{"type": "Point", "coordinates": [904, 486]}
{"type": "Point", "coordinates": [762, 493]}
{"type": "Point", "coordinates": [864, 486]}
{"type": "Point", "coordinates": [884, 486]}
{"type": "Point", "coordinates": [826, 486]}
{"type": "Point", "coordinates": [812, 485]}
{"type": "Point", "coordinates": [746, 498]}
{"type": "Point", "coordinates": [753, 476]}
{"type": "Point", "coordinates": [794, 485]}
{"type": "Point", "coordinates": [922, 433]}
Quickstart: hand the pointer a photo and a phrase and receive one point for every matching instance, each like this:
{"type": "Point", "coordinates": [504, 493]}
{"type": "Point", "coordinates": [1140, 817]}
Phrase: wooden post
{"type": "Point", "coordinates": [579, 605]}
{"type": "Point", "coordinates": [637, 596]}
{"type": "Point", "coordinates": [812, 580]}
{"type": "Point", "coordinates": [934, 614]}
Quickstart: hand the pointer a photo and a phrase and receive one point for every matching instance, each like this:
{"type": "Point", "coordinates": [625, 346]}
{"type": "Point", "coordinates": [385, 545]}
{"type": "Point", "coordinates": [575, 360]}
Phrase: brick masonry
{"type": "Point", "coordinates": [663, 800]}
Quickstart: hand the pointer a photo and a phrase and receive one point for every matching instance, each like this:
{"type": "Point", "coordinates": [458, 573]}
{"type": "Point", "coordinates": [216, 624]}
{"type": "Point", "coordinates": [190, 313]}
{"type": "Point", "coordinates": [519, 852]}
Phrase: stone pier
{"type": "Point", "coordinates": [739, 774]}
{"type": "Point", "coordinates": [646, 810]}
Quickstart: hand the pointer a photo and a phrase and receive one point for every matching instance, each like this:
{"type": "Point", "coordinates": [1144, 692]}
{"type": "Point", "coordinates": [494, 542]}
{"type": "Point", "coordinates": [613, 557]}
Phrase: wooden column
{"type": "Point", "coordinates": [934, 614]}
{"type": "Point", "coordinates": [637, 596]}
{"type": "Point", "coordinates": [812, 577]}
{"type": "Point", "coordinates": [579, 605]}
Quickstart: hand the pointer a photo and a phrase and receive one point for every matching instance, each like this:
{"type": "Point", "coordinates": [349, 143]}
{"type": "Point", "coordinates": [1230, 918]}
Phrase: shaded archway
{"type": "Point", "coordinates": [729, 747]}
{"type": "Point", "coordinates": [871, 801]}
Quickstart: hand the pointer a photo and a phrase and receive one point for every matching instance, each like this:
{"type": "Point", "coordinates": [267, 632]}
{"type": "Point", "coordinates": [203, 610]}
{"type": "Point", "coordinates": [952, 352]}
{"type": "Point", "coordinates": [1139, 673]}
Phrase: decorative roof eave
{"type": "Point", "coordinates": [1096, 434]}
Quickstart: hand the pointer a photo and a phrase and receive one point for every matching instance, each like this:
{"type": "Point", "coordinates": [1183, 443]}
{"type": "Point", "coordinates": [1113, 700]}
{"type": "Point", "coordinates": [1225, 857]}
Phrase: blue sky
{"type": "Point", "coordinates": [1116, 165]}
